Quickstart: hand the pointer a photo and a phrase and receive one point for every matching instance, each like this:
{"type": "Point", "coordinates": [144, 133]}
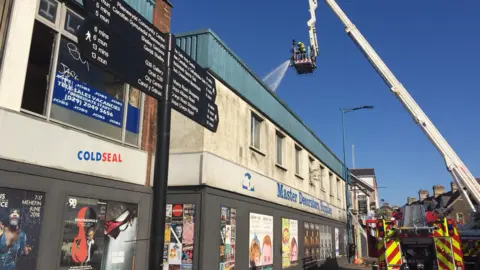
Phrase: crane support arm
{"type": "Point", "coordinates": [460, 173]}
{"type": "Point", "coordinates": [312, 31]}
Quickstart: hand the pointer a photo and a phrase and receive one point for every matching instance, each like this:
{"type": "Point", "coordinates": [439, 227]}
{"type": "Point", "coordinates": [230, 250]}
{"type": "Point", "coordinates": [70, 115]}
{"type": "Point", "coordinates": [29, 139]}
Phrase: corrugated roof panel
{"type": "Point", "coordinates": [210, 52]}
{"type": "Point", "coordinates": [413, 216]}
{"type": "Point", "coordinates": [144, 7]}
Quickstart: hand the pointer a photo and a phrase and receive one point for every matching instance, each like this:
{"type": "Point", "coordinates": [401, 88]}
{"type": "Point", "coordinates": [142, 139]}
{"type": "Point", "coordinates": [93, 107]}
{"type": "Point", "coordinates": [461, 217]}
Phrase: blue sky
{"type": "Point", "coordinates": [432, 46]}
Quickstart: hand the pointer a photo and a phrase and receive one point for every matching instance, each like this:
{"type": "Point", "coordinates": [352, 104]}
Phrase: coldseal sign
{"type": "Point", "coordinates": [99, 156]}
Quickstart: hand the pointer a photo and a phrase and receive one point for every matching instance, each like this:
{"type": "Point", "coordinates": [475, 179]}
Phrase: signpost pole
{"type": "Point", "coordinates": [160, 183]}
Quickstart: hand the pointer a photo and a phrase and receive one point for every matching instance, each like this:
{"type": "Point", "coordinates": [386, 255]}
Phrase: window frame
{"type": "Point", "coordinates": [256, 122]}
{"type": "Point", "coordinates": [6, 12]}
{"type": "Point", "coordinates": [298, 160]}
{"type": "Point", "coordinates": [279, 137]}
{"type": "Point", "coordinates": [64, 8]}
{"type": "Point", "coordinates": [339, 188]}
{"type": "Point", "coordinates": [459, 217]}
{"type": "Point", "coordinates": [331, 178]}
{"type": "Point", "coordinates": [311, 168]}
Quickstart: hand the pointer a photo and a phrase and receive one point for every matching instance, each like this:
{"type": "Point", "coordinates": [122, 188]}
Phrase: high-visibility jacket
{"type": "Point", "coordinates": [301, 47]}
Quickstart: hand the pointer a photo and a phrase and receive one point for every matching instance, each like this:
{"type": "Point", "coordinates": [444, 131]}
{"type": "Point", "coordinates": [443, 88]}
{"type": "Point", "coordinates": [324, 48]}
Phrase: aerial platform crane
{"type": "Point", "coordinates": [466, 182]}
{"type": "Point", "coordinates": [305, 63]}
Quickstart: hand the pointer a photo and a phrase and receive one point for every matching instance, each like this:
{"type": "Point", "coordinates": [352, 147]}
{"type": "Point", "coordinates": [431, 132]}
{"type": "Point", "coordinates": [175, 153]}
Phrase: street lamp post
{"type": "Point", "coordinates": [346, 175]}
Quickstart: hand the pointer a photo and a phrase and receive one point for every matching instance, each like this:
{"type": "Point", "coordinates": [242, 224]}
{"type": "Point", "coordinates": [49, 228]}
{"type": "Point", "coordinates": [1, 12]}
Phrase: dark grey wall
{"type": "Point", "coordinates": [209, 236]}
{"type": "Point", "coordinates": [58, 185]}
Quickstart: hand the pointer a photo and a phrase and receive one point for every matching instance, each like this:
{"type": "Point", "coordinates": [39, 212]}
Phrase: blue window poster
{"type": "Point", "coordinates": [133, 115]}
{"type": "Point", "coordinates": [81, 98]}
{"type": "Point", "coordinates": [133, 111]}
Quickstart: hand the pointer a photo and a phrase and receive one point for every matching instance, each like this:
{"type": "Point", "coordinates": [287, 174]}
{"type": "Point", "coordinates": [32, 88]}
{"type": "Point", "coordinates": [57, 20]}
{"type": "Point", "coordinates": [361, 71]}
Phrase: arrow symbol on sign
{"type": "Point", "coordinates": [88, 36]}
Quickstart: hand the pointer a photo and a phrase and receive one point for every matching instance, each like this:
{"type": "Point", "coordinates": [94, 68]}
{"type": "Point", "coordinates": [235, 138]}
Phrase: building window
{"type": "Point", "coordinates": [5, 10]}
{"type": "Point", "coordinates": [339, 189]}
{"type": "Point", "coordinates": [460, 218]}
{"type": "Point", "coordinates": [279, 147]}
{"type": "Point", "coordinates": [312, 173]}
{"type": "Point", "coordinates": [62, 87]}
{"type": "Point", "coordinates": [256, 124]}
{"type": "Point", "coordinates": [330, 177]}
{"type": "Point", "coordinates": [322, 179]}
{"type": "Point", "coordinates": [298, 160]}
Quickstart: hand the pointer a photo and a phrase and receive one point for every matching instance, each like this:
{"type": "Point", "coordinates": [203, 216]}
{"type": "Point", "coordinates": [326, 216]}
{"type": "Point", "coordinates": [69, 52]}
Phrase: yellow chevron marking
{"type": "Point", "coordinates": [441, 247]}
{"type": "Point", "coordinates": [445, 262]}
{"type": "Point", "coordinates": [397, 259]}
{"type": "Point", "coordinates": [456, 244]}
{"type": "Point", "coordinates": [392, 247]}
{"type": "Point", "coordinates": [380, 247]}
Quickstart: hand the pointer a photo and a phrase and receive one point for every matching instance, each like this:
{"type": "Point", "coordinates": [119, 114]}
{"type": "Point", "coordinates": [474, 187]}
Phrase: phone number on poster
{"type": "Point", "coordinates": [73, 95]}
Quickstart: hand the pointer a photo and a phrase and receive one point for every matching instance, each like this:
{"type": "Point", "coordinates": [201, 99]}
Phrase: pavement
{"type": "Point", "coordinates": [347, 266]}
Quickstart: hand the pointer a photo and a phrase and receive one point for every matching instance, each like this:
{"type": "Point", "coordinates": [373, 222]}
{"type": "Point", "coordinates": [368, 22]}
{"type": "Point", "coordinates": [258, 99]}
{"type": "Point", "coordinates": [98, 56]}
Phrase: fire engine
{"type": "Point", "coordinates": [415, 240]}
{"type": "Point", "coordinates": [468, 185]}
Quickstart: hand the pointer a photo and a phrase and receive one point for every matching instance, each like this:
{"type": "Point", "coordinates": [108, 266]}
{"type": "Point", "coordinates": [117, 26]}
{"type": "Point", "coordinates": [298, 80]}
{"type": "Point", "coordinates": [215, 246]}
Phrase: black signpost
{"type": "Point", "coordinates": [117, 38]}
{"type": "Point", "coordinates": [193, 91]}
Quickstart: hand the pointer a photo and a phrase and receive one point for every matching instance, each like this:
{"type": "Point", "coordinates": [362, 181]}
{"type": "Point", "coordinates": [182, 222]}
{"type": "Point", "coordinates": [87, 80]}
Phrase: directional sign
{"type": "Point", "coordinates": [118, 39]}
{"type": "Point", "coordinates": [193, 91]}
{"type": "Point", "coordinates": [120, 18]}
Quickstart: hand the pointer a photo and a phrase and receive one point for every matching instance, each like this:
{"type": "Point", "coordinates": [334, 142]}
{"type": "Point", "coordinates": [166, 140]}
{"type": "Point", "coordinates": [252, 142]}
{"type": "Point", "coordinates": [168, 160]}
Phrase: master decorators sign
{"type": "Point", "coordinates": [304, 199]}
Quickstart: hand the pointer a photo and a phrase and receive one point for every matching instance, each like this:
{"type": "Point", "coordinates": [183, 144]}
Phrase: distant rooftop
{"type": "Point", "coordinates": [210, 52]}
{"type": "Point", "coordinates": [363, 172]}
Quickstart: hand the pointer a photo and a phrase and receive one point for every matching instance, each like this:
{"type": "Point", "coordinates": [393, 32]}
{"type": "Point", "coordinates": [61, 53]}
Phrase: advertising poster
{"type": "Point", "coordinates": [322, 242]}
{"type": "Point", "coordinates": [120, 233]}
{"type": "Point", "coordinates": [21, 215]}
{"type": "Point", "coordinates": [312, 241]}
{"type": "Point", "coordinates": [98, 235]}
{"type": "Point", "coordinates": [261, 242]}
{"type": "Point", "coordinates": [308, 239]}
{"type": "Point", "coordinates": [179, 237]}
{"type": "Point", "coordinates": [337, 243]}
{"type": "Point", "coordinates": [228, 231]}
{"type": "Point", "coordinates": [80, 87]}
{"type": "Point", "coordinates": [316, 245]}
{"type": "Point", "coordinates": [329, 242]}
{"type": "Point", "coordinates": [289, 242]}
{"type": "Point", "coordinates": [83, 234]}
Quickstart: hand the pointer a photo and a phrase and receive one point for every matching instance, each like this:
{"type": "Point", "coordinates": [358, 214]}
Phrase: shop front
{"type": "Point", "coordinates": [59, 205]}
{"type": "Point", "coordinates": [63, 220]}
{"type": "Point", "coordinates": [248, 221]}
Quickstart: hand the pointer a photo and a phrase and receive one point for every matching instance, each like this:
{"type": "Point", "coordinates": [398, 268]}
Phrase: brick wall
{"type": "Point", "coordinates": [161, 20]}
{"type": "Point", "coordinates": [461, 206]}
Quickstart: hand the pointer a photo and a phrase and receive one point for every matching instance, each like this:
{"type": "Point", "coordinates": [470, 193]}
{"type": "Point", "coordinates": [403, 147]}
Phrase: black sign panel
{"type": "Point", "coordinates": [193, 91]}
{"type": "Point", "coordinates": [117, 38]}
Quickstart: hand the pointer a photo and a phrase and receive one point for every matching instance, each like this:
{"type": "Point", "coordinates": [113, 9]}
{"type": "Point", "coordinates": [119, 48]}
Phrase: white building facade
{"type": "Point", "coordinates": [76, 143]}
{"type": "Point", "coordinates": [70, 146]}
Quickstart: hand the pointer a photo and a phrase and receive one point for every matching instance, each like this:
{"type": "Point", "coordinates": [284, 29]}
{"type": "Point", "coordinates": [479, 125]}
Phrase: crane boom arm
{"type": "Point", "coordinates": [462, 176]}
{"type": "Point", "coordinates": [312, 31]}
